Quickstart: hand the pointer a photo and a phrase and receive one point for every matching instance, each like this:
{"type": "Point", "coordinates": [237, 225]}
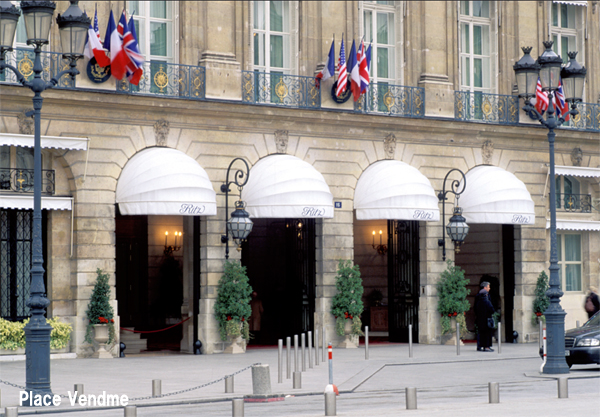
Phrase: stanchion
{"type": "Point", "coordinates": [237, 407]}
{"type": "Point", "coordinates": [563, 387]}
{"type": "Point", "coordinates": [296, 353]}
{"type": "Point", "coordinates": [297, 384]}
{"type": "Point", "coordinates": [410, 350]}
{"type": "Point", "coordinates": [316, 346]}
{"type": "Point", "coordinates": [303, 350]}
{"type": "Point", "coordinates": [130, 411]}
{"type": "Point", "coordinates": [324, 335]}
{"type": "Point", "coordinates": [279, 361]}
{"type": "Point", "coordinates": [544, 352]}
{"type": "Point", "coordinates": [330, 352]}
{"type": "Point", "coordinates": [310, 355]}
{"type": "Point", "coordinates": [541, 335]}
{"type": "Point", "coordinates": [457, 339]}
{"type": "Point", "coordinates": [576, 323]}
{"type": "Point", "coordinates": [330, 404]}
{"type": "Point", "coordinates": [78, 390]}
{"type": "Point", "coordinates": [494, 392]}
{"type": "Point", "coordinates": [14, 412]}
{"type": "Point", "coordinates": [411, 398]}
{"type": "Point", "coordinates": [288, 369]}
{"type": "Point", "coordinates": [156, 388]}
{"type": "Point", "coordinates": [366, 342]}
{"type": "Point", "coordinates": [499, 337]}
{"type": "Point", "coordinates": [229, 384]}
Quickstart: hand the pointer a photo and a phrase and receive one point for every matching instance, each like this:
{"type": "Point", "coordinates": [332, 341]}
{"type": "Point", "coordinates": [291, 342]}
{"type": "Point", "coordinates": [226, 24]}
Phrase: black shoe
{"type": "Point", "coordinates": [488, 350]}
{"type": "Point", "coordinates": [480, 349]}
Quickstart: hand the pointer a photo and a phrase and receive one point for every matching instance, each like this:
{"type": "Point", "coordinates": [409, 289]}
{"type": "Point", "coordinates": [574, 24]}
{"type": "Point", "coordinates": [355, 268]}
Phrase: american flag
{"type": "Point", "coordinates": [342, 82]}
{"type": "Point", "coordinates": [541, 98]}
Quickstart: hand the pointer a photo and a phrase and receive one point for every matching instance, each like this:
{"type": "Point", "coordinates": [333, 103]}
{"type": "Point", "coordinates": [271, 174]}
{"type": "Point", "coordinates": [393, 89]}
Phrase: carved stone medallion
{"type": "Point", "coordinates": [25, 123]}
{"type": "Point", "coordinates": [161, 131]}
{"type": "Point", "coordinates": [389, 146]}
{"type": "Point", "coordinates": [281, 140]}
{"type": "Point", "coordinates": [487, 152]}
{"type": "Point", "coordinates": [576, 157]}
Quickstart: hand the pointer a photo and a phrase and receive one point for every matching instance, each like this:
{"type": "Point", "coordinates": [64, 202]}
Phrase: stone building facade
{"type": "Point", "coordinates": [236, 79]}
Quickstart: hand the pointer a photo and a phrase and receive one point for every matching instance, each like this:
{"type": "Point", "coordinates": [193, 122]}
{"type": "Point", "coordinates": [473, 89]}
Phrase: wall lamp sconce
{"type": "Point", "coordinates": [381, 248]}
{"type": "Point", "coordinates": [239, 225]}
{"type": "Point", "coordinates": [170, 249]}
{"type": "Point", "coordinates": [457, 227]}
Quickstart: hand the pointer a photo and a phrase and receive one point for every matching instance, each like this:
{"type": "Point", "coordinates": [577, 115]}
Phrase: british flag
{"type": "Point", "coordinates": [134, 67]}
{"type": "Point", "coordinates": [562, 107]}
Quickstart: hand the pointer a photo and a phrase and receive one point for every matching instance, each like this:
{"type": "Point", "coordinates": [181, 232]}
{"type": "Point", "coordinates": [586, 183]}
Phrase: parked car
{"type": "Point", "coordinates": [582, 344]}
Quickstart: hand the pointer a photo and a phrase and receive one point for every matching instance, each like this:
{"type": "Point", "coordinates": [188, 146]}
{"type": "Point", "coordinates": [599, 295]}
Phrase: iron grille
{"type": "Point", "coordinates": [569, 342]}
{"type": "Point", "coordinates": [21, 180]}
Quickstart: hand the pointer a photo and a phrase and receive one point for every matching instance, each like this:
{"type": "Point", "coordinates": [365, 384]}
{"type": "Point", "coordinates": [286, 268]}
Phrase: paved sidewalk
{"type": "Point", "coordinates": [389, 368]}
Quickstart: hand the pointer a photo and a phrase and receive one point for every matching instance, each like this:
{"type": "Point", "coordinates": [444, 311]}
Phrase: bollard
{"type": "Point", "coordinates": [130, 411]}
{"type": "Point", "coordinates": [310, 355]}
{"type": "Point", "coordinates": [457, 339]}
{"type": "Point", "coordinates": [563, 387]}
{"type": "Point", "coordinates": [576, 323]}
{"type": "Point", "coordinates": [499, 337]}
{"type": "Point", "coordinates": [324, 334]}
{"type": "Point", "coordinates": [261, 380]}
{"type": "Point", "coordinates": [544, 352]}
{"type": "Point", "coordinates": [410, 351]}
{"type": "Point", "coordinates": [229, 384]}
{"type": "Point", "coordinates": [366, 342]}
{"type": "Point", "coordinates": [295, 353]}
{"type": "Point", "coordinates": [316, 346]}
{"type": "Point", "coordinates": [237, 407]}
{"type": "Point", "coordinates": [494, 392]}
{"type": "Point", "coordinates": [13, 412]}
{"type": "Point", "coordinates": [279, 361]}
{"type": "Point", "coordinates": [78, 388]}
{"type": "Point", "coordinates": [330, 352]}
{"type": "Point", "coordinates": [288, 370]}
{"type": "Point", "coordinates": [541, 330]}
{"type": "Point", "coordinates": [297, 380]}
{"type": "Point", "coordinates": [411, 398]}
{"type": "Point", "coordinates": [156, 388]}
{"type": "Point", "coordinates": [303, 350]}
{"type": "Point", "coordinates": [330, 404]}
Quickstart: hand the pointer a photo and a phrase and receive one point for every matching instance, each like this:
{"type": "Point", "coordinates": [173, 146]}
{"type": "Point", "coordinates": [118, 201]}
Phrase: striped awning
{"type": "Point", "coordinates": [56, 142]}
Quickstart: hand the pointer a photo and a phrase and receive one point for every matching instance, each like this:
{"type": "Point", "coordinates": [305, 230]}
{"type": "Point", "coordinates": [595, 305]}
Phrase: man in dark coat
{"type": "Point", "coordinates": [483, 310]}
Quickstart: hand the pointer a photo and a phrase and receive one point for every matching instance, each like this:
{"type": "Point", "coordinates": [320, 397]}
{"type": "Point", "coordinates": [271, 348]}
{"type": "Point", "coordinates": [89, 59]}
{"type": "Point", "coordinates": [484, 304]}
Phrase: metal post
{"type": "Point", "coordinates": [494, 392]}
{"type": "Point", "coordinates": [563, 387]}
{"type": "Point", "coordinates": [229, 384]}
{"type": "Point", "coordinates": [411, 398]}
{"type": "Point", "coordinates": [310, 355]}
{"type": "Point", "coordinates": [410, 347]}
{"type": "Point", "coordinates": [499, 337]}
{"type": "Point", "coordinates": [576, 323]}
{"type": "Point", "coordinates": [279, 361]}
{"type": "Point", "coordinates": [237, 407]}
{"type": "Point", "coordinates": [288, 369]}
{"type": "Point", "coordinates": [330, 404]}
{"type": "Point", "coordinates": [457, 338]}
{"type": "Point", "coordinates": [330, 352]}
{"type": "Point", "coordinates": [14, 412]}
{"type": "Point", "coordinates": [295, 353]}
{"type": "Point", "coordinates": [130, 411]}
{"type": "Point", "coordinates": [541, 330]}
{"type": "Point", "coordinates": [156, 388]}
{"type": "Point", "coordinates": [367, 342]}
{"type": "Point", "coordinates": [78, 388]}
{"type": "Point", "coordinates": [324, 334]}
{"type": "Point", "coordinates": [297, 383]}
{"type": "Point", "coordinates": [316, 346]}
{"type": "Point", "coordinates": [303, 350]}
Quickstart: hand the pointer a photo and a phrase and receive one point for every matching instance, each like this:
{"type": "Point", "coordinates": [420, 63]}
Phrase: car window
{"type": "Point", "coordinates": [594, 321]}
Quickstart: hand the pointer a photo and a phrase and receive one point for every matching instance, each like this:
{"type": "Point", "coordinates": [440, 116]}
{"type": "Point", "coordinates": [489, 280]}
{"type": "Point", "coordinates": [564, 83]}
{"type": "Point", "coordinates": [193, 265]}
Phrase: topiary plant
{"type": "Point", "coordinates": [452, 297]}
{"type": "Point", "coordinates": [541, 301]}
{"type": "Point", "coordinates": [232, 307]}
{"type": "Point", "coordinates": [99, 309]}
{"type": "Point", "coordinates": [347, 303]}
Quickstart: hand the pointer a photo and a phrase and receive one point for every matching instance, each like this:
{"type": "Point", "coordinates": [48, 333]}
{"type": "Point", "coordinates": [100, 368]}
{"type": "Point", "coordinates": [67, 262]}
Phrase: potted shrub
{"type": "Point", "coordinates": [541, 300]}
{"type": "Point", "coordinates": [12, 335]}
{"type": "Point", "coordinates": [452, 299]}
{"type": "Point", "coordinates": [232, 307]}
{"type": "Point", "coordinates": [347, 305]}
{"type": "Point", "coordinates": [100, 316]}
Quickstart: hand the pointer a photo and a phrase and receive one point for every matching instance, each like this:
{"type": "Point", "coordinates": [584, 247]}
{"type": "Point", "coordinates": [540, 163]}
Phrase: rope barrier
{"type": "Point", "coordinates": [154, 331]}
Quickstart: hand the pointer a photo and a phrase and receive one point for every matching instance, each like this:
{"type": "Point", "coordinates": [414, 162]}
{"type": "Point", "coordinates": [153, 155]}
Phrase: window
{"type": "Point", "coordinates": [155, 29]}
{"type": "Point", "coordinates": [476, 64]}
{"type": "Point", "coordinates": [379, 30]}
{"type": "Point", "coordinates": [272, 40]}
{"type": "Point", "coordinates": [16, 168]}
{"type": "Point", "coordinates": [569, 261]}
{"type": "Point", "coordinates": [568, 194]}
{"type": "Point", "coordinates": [563, 30]}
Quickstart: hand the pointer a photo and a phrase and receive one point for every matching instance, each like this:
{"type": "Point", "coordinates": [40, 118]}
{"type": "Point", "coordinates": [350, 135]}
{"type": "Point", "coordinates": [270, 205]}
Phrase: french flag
{"type": "Point", "coordinates": [93, 47]}
{"type": "Point", "coordinates": [354, 72]}
{"type": "Point", "coordinates": [329, 68]}
{"type": "Point", "coordinates": [113, 44]}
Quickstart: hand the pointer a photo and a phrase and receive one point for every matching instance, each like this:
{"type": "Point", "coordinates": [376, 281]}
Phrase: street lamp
{"type": "Point", "coordinates": [457, 228]}
{"type": "Point", "coordinates": [239, 225]}
{"type": "Point", "coordinates": [38, 19]}
{"type": "Point", "coordinates": [548, 68]}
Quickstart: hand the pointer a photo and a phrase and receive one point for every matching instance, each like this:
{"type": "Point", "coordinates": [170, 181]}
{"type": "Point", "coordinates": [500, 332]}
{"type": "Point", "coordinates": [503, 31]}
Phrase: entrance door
{"type": "Point", "coordinates": [403, 279]}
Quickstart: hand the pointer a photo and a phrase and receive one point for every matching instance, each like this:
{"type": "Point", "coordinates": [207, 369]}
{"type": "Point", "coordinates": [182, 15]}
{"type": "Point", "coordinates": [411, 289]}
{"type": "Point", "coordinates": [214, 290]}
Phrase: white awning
{"type": "Point", "coordinates": [58, 142]}
{"type": "Point", "coordinates": [283, 186]}
{"type": "Point", "coordinates": [573, 2]}
{"type": "Point", "coordinates": [165, 181]}
{"type": "Point", "coordinates": [577, 171]}
{"type": "Point", "coordinates": [25, 202]}
{"type": "Point", "coordinates": [496, 196]}
{"type": "Point", "coordinates": [575, 225]}
{"type": "Point", "coordinates": [395, 190]}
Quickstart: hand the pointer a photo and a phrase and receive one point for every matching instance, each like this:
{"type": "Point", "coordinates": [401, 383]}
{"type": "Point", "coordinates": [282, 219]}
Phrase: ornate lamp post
{"type": "Point", "coordinates": [239, 225]}
{"type": "Point", "coordinates": [73, 25]}
{"type": "Point", "coordinates": [457, 227]}
{"type": "Point", "coordinates": [548, 68]}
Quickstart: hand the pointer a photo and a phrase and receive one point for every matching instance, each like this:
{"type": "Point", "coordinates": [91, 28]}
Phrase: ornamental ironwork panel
{"type": "Point", "coordinates": [486, 108]}
{"type": "Point", "coordinates": [280, 89]}
{"type": "Point", "coordinates": [392, 100]}
{"type": "Point", "coordinates": [587, 119]}
{"type": "Point", "coordinates": [16, 230]}
{"type": "Point", "coordinates": [574, 202]}
{"type": "Point", "coordinates": [21, 180]}
{"type": "Point", "coordinates": [23, 60]}
{"type": "Point", "coordinates": [168, 80]}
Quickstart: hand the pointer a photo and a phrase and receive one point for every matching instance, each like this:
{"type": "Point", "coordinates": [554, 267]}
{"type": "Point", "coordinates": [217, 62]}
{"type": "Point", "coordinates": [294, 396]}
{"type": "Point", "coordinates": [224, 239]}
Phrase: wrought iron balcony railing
{"type": "Point", "coordinates": [21, 180]}
{"type": "Point", "coordinates": [392, 100]}
{"type": "Point", "coordinates": [574, 202]}
{"type": "Point", "coordinates": [587, 119]}
{"type": "Point", "coordinates": [23, 59]}
{"type": "Point", "coordinates": [280, 89]}
{"type": "Point", "coordinates": [484, 107]}
{"type": "Point", "coordinates": [168, 80]}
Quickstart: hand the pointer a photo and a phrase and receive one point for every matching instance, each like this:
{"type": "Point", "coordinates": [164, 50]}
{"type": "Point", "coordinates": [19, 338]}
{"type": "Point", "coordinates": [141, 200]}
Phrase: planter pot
{"type": "Point", "coordinates": [236, 345]}
{"type": "Point", "coordinates": [450, 338]}
{"type": "Point", "coordinates": [349, 340]}
{"type": "Point", "coordinates": [101, 337]}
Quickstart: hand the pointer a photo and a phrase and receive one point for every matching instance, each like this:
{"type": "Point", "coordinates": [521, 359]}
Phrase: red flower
{"type": "Point", "coordinates": [455, 313]}
{"type": "Point", "coordinates": [449, 314]}
{"type": "Point", "coordinates": [228, 318]}
{"type": "Point", "coordinates": [112, 320]}
{"type": "Point", "coordinates": [538, 314]}
{"type": "Point", "coordinates": [350, 317]}
{"type": "Point", "coordinates": [243, 319]}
